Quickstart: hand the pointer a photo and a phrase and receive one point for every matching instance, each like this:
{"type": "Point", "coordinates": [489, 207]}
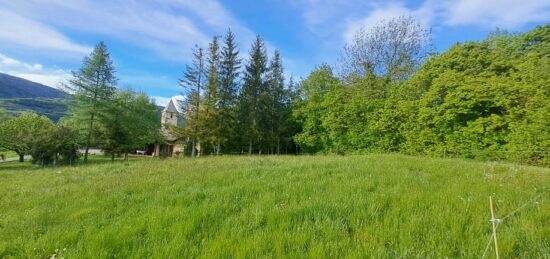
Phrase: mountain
{"type": "Point", "coordinates": [15, 87]}
{"type": "Point", "coordinates": [19, 95]}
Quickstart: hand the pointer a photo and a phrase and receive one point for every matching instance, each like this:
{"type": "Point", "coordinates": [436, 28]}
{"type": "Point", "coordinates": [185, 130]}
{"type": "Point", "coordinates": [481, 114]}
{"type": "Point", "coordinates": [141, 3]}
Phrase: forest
{"type": "Point", "coordinates": [390, 92]}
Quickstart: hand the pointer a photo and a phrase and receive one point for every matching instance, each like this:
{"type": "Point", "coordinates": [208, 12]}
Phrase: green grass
{"type": "Point", "coordinates": [311, 206]}
{"type": "Point", "coordinates": [8, 154]}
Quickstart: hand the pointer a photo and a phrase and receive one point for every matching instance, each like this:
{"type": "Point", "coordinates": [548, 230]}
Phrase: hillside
{"type": "Point", "coordinates": [15, 87]}
{"type": "Point", "coordinates": [274, 207]}
{"type": "Point", "coordinates": [19, 95]}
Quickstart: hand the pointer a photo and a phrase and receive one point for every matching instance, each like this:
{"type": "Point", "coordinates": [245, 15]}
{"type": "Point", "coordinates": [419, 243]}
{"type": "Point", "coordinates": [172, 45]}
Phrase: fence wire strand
{"type": "Point", "coordinates": [524, 205]}
{"type": "Point", "coordinates": [487, 246]}
{"type": "Point", "coordinates": [498, 221]}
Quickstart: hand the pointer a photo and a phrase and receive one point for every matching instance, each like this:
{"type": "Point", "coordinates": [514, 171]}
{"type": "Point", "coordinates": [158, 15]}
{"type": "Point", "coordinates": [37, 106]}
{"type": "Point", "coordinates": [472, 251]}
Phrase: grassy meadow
{"type": "Point", "coordinates": [305, 206]}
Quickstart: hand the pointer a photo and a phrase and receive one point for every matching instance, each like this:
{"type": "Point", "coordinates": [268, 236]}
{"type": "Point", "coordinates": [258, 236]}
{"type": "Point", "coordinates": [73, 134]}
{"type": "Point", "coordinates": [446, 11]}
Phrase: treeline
{"type": "Point", "coordinates": [101, 115]}
{"type": "Point", "coordinates": [233, 106]}
{"type": "Point", "coordinates": [487, 99]}
{"type": "Point", "coordinates": [389, 93]}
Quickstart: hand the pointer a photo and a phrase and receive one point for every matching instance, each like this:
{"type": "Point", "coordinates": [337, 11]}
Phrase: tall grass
{"type": "Point", "coordinates": [312, 206]}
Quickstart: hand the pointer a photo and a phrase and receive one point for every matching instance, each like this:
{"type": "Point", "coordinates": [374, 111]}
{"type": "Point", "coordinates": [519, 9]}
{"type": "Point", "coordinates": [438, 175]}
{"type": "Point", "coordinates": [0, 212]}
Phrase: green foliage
{"type": "Point", "coordinates": [35, 135]}
{"type": "Point", "coordinates": [56, 145]}
{"type": "Point", "coordinates": [3, 115]}
{"type": "Point", "coordinates": [253, 97]}
{"type": "Point", "coordinates": [277, 107]}
{"type": "Point", "coordinates": [22, 133]}
{"type": "Point", "coordinates": [210, 128]}
{"type": "Point", "coordinates": [486, 100]}
{"type": "Point", "coordinates": [94, 85]}
{"type": "Point", "coordinates": [276, 207]}
{"type": "Point", "coordinates": [194, 82]}
{"type": "Point", "coordinates": [310, 108]}
{"type": "Point", "coordinates": [52, 108]}
{"type": "Point", "coordinates": [131, 123]}
{"type": "Point", "coordinates": [221, 114]}
{"type": "Point", "coordinates": [230, 65]}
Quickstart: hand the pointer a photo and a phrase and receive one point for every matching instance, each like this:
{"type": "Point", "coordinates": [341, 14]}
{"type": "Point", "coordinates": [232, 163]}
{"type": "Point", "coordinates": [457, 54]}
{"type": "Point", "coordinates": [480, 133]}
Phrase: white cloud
{"type": "Point", "coordinates": [388, 12]}
{"type": "Point", "coordinates": [168, 27]}
{"type": "Point", "coordinates": [7, 61]}
{"type": "Point", "coordinates": [52, 77]}
{"type": "Point", "coordinates": [160, 100]}
{"type": "Point", "coordinates": [509, 14]}
{"type": "Point", "coordinates": [22, 31]}
{"type": "Point", "coordinates": [163, 101]}
{"type": "Point", "coordinates": [322, 16]}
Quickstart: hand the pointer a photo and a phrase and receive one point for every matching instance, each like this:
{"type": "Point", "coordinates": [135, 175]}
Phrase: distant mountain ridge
{"type": "Point", "coordinates": [15, 87]}
{"type": "Point", "coordinates": [19, 95]}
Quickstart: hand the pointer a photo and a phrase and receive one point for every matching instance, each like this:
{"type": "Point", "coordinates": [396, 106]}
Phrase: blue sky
{"type": "Point", "coordinates": [150, 41]}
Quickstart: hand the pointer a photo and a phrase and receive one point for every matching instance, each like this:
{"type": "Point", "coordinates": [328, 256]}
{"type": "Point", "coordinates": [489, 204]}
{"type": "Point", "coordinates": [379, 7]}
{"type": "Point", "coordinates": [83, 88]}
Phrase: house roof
{"type": "Point", "coordinates": [175, 104]}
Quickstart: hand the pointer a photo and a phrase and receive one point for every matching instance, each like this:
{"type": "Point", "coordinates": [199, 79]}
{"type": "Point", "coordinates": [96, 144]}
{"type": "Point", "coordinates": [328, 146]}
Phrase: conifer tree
{"type": "Point", "coordinates": [209, 122]}
{"type": "Point", "coordinates": [276, 103]}
{"type": "Point", "coordinates": [230, 65]}
{"type": "Point", "coordinates": [193, 82]}
{"type": "Point", "coordinates": [252, 95]}
{"type": "Point", "coordinates": [94, 85]}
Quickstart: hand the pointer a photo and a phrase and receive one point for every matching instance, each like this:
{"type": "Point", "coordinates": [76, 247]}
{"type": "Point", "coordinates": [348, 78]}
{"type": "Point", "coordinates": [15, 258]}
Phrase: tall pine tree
{"type": "Point", "coordinates": [210, 132]}
{"type": "Point", "coordinates": [250, 101]}
{"type": "Point", "coordinates": [230, 65]}
{"type": "Point", "coordinates": [277, 102]}
{"type": "Point", "coordinates": [193, 82]}
{"type": "Point", "coordinates": [94, 85]}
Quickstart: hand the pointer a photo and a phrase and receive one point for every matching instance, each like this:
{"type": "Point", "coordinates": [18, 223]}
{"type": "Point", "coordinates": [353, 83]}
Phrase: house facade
{"type": "Point", "coordinates": [171, 116]}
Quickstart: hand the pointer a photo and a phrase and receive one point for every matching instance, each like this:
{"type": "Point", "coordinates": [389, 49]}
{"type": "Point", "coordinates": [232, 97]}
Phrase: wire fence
{"type": "Point", "coordinates": [498, 221]}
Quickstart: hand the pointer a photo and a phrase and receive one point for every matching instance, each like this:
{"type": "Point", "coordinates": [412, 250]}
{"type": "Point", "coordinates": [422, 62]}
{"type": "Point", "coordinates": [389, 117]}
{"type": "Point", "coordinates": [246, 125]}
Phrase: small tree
{"type": "Point", "coordinates": [22, 133]}
{"type": "Point", "coordinates": [66, 145]}
{"type": "Point", "coordinates": [57, 144]}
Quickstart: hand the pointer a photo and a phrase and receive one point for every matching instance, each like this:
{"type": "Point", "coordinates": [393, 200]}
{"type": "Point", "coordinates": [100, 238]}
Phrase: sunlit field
{"type": "Point", "coordinates": [308, 206]}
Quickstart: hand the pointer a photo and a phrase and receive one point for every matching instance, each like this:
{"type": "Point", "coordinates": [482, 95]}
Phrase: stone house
{"type": "Point", "coordinates": [171, 115]}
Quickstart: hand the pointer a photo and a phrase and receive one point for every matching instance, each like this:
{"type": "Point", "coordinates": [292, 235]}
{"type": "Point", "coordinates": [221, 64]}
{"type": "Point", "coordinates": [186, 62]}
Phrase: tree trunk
{"type": "Point", "coordinates": [218, 147]}
{"type": "Point", "coordinates": [125, 156]}
{"type": "Point", "coordinates": [112, 157]}
{"type": "Point", "coordinates": [193, 151]}
{"type": "Point", "coordinates": [89, 138]}
{"type": "Point", "coordinates": [198, 148]}
{"type": "Point", "coordinates": [21, 158]}
{"type": "Point", "coordinates": [250, 147]}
